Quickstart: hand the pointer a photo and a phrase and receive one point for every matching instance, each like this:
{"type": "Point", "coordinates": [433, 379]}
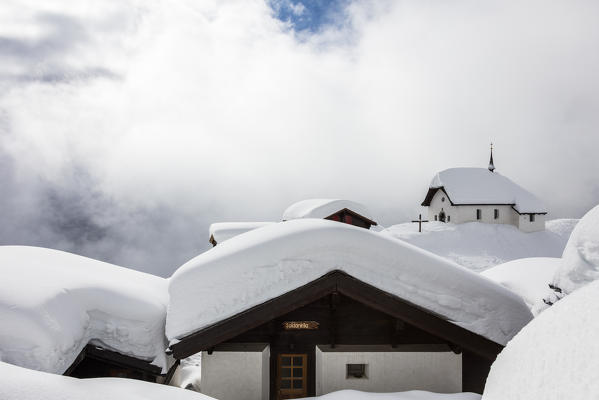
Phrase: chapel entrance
{"type": "Point", "coordinates": [292, 376]}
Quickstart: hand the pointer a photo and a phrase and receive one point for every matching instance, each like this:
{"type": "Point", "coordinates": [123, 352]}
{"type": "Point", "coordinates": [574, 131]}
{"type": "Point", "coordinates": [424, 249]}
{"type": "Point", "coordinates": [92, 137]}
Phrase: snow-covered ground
{"type": "Point", "coordinates": [411, 395]}
{"type": "Point", "coordinates": [528, 277]}
{"type": "Point", "coordinates": [259, 265]}
{"type": "Point", "coordinates": [53, 303]}
{"type": "Point", "coordinates": [556, 356]}
{"type": "Point", "coordinates": [18, 383]}
{"type": "Point", "coordinates": [479, 246]}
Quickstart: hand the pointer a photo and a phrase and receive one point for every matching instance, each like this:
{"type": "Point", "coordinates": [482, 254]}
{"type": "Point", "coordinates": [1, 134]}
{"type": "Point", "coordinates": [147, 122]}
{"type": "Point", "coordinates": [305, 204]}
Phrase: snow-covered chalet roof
{"type": "Point", "coordinates": [260, 265]}
{"type": "Point", "coordinates": [322, 208]}
{"type": "Point", "coordinates": [53, 303]}
{"type": "Point", "coordinates": [481, 186]}
{"type": "Point", "coordinates": [221, 231]}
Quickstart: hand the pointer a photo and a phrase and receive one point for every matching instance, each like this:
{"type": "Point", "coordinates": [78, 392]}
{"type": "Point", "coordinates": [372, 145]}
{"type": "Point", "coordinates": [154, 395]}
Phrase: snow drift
{"type": "Point", "coordinates": [53, 303]}
{"type": "Point", "coordinates": [556, 356]}
{"type": "Point", "coordinates": [580, 261]}
{"type": "Point", "coordinates": [479, 246]}
{"type": "Point", "coordinates": [25, 384]}
{"type": "Point", "coordinates": [410, 395]}
{"type": "Point", "coordinates": [527, 277]}
{"type": "Point", "coordinates": [256, 266]}
{"type": "Point", "coordinates": [222, 231]}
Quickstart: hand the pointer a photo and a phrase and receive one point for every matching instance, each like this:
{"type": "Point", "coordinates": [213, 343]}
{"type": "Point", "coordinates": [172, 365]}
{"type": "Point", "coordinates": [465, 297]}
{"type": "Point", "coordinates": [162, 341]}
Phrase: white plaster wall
{"type": "Point", "coordinates": [390, 371]}
{"type": "Point", "coordinates": [229, 375]}
{"type": "Point", "coordinates": [461, 214]}
{"type": "Point", "coordinates": [525, 225]}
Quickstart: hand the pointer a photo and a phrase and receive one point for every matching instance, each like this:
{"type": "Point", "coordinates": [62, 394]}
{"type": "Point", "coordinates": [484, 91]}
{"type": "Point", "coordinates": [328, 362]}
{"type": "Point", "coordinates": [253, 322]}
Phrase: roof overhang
{"type": "Point", "coordinates": [334, 282]}
{"type": "Point", "coordinates": [353, 214]}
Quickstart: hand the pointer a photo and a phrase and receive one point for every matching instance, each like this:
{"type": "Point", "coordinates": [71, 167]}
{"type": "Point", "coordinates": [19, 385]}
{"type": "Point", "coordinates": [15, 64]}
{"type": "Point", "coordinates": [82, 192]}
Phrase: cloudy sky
{"type": "Point", "coordinates": [128, 126]}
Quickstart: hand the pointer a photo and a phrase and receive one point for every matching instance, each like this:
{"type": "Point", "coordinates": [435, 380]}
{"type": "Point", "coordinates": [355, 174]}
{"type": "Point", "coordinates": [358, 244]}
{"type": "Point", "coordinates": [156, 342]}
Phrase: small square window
{"type": "Point", "coordinates": [356, 371]}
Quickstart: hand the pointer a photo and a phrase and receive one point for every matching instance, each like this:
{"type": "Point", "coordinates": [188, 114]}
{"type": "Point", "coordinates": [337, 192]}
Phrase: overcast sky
{"type": "Point", "coordinates": [128, 126]}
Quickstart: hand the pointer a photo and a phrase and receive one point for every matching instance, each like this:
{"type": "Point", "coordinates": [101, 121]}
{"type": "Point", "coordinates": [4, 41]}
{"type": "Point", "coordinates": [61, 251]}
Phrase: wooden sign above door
{"type": "Point", "coordinates": [300, 325]}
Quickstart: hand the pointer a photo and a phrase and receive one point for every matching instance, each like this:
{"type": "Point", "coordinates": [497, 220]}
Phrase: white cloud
{"type": "Point", "coordinates": [214, 110]}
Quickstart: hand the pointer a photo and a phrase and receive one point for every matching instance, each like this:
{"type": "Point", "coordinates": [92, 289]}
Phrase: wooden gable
{"type": "Point", "coordinates": [95, 362]}
{"type": "Point", "coordinates": [350, 217]}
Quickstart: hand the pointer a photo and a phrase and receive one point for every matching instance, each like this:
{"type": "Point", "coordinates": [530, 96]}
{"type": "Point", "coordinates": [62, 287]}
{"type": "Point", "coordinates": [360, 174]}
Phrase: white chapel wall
{"type": "Point", "coordinates": [538, 224]}
{"type": "Point", "coordinates": [390, 371]}
{"type": "Point", "coordinates": [230, 375]}
{"type": "Point", "coordinates": [466, 213]}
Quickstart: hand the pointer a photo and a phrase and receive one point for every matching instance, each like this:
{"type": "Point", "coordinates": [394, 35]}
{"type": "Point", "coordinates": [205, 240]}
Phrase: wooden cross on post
{"type": "Point", "coordinates": [420, 221]}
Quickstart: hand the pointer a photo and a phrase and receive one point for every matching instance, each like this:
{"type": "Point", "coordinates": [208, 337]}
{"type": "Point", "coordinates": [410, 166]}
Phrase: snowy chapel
{"type": "Point", "coordinates": [459, 195]}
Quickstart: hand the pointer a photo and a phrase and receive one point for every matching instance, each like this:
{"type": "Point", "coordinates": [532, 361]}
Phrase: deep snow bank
{"type": "Point", "coordinates": [252, 268]}
{"type": "Point", "coordinates": [410, 395]}
{"type": "Point", "coordinates": [479, 246]}
{"type": "Point", "coordinates": [527, 277]}
{"type": "Point", "coordinates": [580, 261]}
{"type": "Point", "coordinates": [52, 303]}
{"type": "Point", "coordinates": [556, 356]}
{"type": "Point", "coordinates": [18, 383]}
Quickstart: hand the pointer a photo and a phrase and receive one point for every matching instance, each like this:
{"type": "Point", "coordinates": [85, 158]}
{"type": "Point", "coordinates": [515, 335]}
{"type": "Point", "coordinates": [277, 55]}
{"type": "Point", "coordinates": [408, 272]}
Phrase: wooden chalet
{"type": "Point", "coordinates": [337, 313]}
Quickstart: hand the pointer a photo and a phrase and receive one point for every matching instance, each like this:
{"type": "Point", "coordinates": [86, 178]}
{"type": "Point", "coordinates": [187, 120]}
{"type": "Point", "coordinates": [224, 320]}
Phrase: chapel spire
{"type": "Point", "coordinates": [491, 165]}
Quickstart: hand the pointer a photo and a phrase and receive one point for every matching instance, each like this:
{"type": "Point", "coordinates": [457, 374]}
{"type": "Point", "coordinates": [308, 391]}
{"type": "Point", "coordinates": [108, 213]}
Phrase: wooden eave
{"type": "Point", "coordinates": [353, 214]}
{"type": "Point", "coordinates": [431, 193]}
{"type": "Point", "coordinates": [334, 282]}
{"type": "Point", "coordinates": [114, 358]}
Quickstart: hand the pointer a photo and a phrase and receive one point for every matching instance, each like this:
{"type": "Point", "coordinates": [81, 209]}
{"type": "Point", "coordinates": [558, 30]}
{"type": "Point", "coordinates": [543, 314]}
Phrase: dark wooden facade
{"type": "Point", "coordinates": [350, 313]}
{"type": "Point", "coordinates": [353, 218]}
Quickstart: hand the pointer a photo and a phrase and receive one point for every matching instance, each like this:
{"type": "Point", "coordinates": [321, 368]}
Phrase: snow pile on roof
{"type": "Point", "coordinates": [527, 277]}
{"type": "Point", "coordinates": [18, 383]}
{"type": "Point", "coordinates": [580, 261]}
{"type": "Point", "coordinates": [481, 186]}
{"type": "Point", "coordinates": [262, 264]}
{"type": "Point", "coordinates": [410, 395]}
{"type": "Point", "coordinates": [481, 246]}
{"type": "Point", "coordinates": [322, 208]}
{"type": "Point", "coordinates": [222, 231]}
{"type": "Point", "coordinates": [556, 356]}
{"type": "Point", "coordinates": [53, 303]}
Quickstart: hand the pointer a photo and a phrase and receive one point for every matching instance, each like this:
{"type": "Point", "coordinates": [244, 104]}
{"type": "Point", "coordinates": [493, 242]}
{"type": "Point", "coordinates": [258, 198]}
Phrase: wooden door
{"type": "Point", "coordinates": [292, 376]}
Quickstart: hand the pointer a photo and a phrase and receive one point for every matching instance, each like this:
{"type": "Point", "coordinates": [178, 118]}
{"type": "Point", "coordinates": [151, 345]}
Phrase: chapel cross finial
{"type": "Point", "coordinates": [491, 165]}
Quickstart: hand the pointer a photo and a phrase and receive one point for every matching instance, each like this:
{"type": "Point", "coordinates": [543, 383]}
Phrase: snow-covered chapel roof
{"type": "Point", "coordinates": [260, 265]}
{"type": "Point", "coordinates": [322, 208]}
{"type": "Point", "coordinates": [480, 186]}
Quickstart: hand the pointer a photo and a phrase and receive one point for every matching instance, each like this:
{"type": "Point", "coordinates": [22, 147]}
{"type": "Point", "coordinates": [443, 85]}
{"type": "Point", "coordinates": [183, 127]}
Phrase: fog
{"type": "Point", "coordinates": [127, 127]}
